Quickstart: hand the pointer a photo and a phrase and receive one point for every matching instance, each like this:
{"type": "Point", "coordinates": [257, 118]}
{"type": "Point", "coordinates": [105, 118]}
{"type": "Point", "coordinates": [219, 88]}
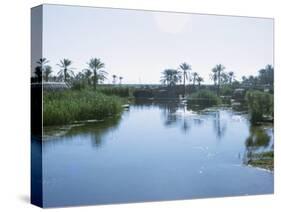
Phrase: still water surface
{"type": "Point", "coordinates": [154, 151]}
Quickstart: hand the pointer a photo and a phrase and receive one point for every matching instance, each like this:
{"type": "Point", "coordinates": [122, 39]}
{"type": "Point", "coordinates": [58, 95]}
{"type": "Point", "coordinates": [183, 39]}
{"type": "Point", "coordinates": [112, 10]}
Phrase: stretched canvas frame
{"type": "Point", "coordinates": [146, 166]}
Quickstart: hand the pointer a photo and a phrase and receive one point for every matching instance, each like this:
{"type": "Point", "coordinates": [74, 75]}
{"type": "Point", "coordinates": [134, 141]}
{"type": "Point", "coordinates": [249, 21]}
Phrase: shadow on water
{"type": "Point", "coordinates": [95, 130]}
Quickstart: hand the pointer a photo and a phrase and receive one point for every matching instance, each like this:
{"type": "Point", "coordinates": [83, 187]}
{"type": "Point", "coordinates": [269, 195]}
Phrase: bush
{"type": "Point", "coordinates": [260, 105]}
{"type": "Point", "coordinates": [205, 97]}
{"type": "Point", "coordinates": [64, 107]}
{"type": "Point", "coordinates": [226, 91]}
{"type": "Point", "coordinates": [79, 85]}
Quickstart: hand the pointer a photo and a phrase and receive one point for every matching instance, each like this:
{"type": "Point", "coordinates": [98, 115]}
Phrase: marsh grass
{"type": "Point", "coordinates": [114, 90]}
{"type": "Point", "coordinates": [64, 107]}
{"type": "Point", "coordinates": [205, 98]}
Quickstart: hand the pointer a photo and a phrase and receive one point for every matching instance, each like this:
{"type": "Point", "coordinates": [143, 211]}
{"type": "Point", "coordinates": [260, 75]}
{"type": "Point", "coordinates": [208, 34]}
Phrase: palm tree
{"type": "Point", "coordinates": [120, 80]}
{"type": "Point", "coordinates": [40, 68]}
{"type": "Point", "coordinates": [214, 76]}
{"type": "Point", "coordinates": [231, 76]}
{"type": "Point", "coordinates": [42, 61]}
{"type": "Point", "coordinates": [47, 72]}
{"type": "Point", "coordinates": [87, 74]}
{"type": "Point", "coordinates": [38, 73]}
{"type": "Point", "coordinates": [224, 78]}
{"type": "Point", "coordinates": [114, 79]}
{"type": "Point", "coordinates": [199, 80]}
{"type": "Point", "coordinates": [65, 71]}
{"type": "Point", "coordinates": [170, 77]}
{"type": "Point", "coordinates": [266, 75]}
{"type": "Point", "coordinates": [194, 77]}
{"type": "Point", "coordinates": [185, 67]}
{"type": "Point", "coordinates": [218, 69]}
{"type": "Point", "coordinates": [95, 66]}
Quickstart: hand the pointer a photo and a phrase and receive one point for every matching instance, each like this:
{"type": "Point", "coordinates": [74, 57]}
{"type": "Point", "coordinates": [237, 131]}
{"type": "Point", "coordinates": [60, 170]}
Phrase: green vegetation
{"type": "Point", "coordinates": [66, 72]}
{"type": "Point", "coordinates": [226, 90]}
{"type": "Point", "coordinates": [117, 91]}
{"type": "Point", "coordinates": [185, 72]}
{"type": "Point", "coordinates": [264, 80]}
{"type": "Point", "coordinates": [95, 72]}
{"type": "Point", "coordinates": [171, 77]}
{"type": "Point", "coordinates": [263, 160]}
{"type": "Point", "coordinates": [64, 107]}
{"type": "Point", "coordinates": [205, 97]}
{"type": "Point", "coordinates": [260, 106]}
{"type": "Point", "coordinates": [176, 82]}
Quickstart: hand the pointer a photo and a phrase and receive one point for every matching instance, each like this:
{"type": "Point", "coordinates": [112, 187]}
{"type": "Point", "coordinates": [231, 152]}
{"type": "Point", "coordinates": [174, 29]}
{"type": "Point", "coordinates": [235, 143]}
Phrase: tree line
{"type": "Point", "coordinates": [93, 74]}
{"type": "Point", "coordinates": [184, 74]}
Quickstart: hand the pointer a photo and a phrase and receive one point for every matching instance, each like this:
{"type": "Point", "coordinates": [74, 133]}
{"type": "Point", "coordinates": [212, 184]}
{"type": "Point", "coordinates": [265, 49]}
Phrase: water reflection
{"type": "Point", "coordinates": [163, 150]}
{"type": "Point", "coordinates": [96, 131]}
{"type": "Point", "coordinates": [186, 116]}
{"type": "Point", "coordinates": [219, 126]}
{"type": "Point", "coordinates": [259, 138]}
{"type": "Point", "coordinates": [259, 141]}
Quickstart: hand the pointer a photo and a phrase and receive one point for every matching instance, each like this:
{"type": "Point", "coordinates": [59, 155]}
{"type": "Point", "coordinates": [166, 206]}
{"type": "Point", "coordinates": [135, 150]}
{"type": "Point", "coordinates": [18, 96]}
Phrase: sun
{"type": "Point", "coordinates": [173, 23]}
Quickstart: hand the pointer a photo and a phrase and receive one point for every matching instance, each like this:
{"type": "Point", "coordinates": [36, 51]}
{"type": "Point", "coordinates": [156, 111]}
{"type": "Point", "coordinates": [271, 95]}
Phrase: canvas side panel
{"type": "Point", "coordinates": [36, 106]}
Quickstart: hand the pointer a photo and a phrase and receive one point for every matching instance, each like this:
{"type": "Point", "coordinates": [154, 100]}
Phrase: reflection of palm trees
{"type": "Point", "coordinates": [171, 117]}
{"type": "Point", "coordinates": [169, 112]}
{"type": "Point", "coordinates": [96, 131]}
{"type": "Point", "coordinates": [186, 125]}
{"type": "Point", "coordinates": [218, 126]}
{"type": "Point", "coordinates": [258, 140]}
{"type": "Point", "coordinates": [97, 135]}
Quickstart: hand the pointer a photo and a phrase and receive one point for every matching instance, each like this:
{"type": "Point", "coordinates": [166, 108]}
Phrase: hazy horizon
{"type": "Point", "coordinates": [139, 45]}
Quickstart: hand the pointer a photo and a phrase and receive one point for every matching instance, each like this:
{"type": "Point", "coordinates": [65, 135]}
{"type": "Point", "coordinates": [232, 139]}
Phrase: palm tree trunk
{"type": "Point", "coordinates": [65, 74]}
{"type": "Point", "coordinates": [95, 79]}
{"type": "Point", "coordinates": [184, 83]}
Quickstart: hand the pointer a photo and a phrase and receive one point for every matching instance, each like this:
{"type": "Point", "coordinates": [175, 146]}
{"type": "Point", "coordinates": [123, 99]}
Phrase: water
{"type": "Point", "coordinates": [154, 151]}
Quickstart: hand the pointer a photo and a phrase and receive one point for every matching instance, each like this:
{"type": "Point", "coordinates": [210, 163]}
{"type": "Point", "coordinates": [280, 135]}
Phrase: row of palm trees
{"type": "Point", "coordinates": [184, 74]}
{"type": "Point", "coordinates": [93, 74]}
{"type": "Point", "coordinates": [115, 77]}
{"type": "Point", "coordinates": [264, 78]}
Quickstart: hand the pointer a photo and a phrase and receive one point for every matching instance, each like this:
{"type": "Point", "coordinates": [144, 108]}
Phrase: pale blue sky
{"type": "Point", "coordinates": [139, 45]}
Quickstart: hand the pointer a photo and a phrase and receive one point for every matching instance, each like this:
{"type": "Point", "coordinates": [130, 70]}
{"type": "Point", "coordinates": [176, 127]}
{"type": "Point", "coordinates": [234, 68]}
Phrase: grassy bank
{"type": "Point", "coordinates": [64, 107]}
{"type": "Point", "coordinates": [263, 160]}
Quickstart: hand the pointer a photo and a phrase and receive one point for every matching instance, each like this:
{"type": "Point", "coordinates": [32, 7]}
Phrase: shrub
{"type": "Point", "coordinates": [79, 85]}
{"type": "Point", "coordinates": [226, 91]}
{"type": "Point", "coordinates": [260, 105]}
